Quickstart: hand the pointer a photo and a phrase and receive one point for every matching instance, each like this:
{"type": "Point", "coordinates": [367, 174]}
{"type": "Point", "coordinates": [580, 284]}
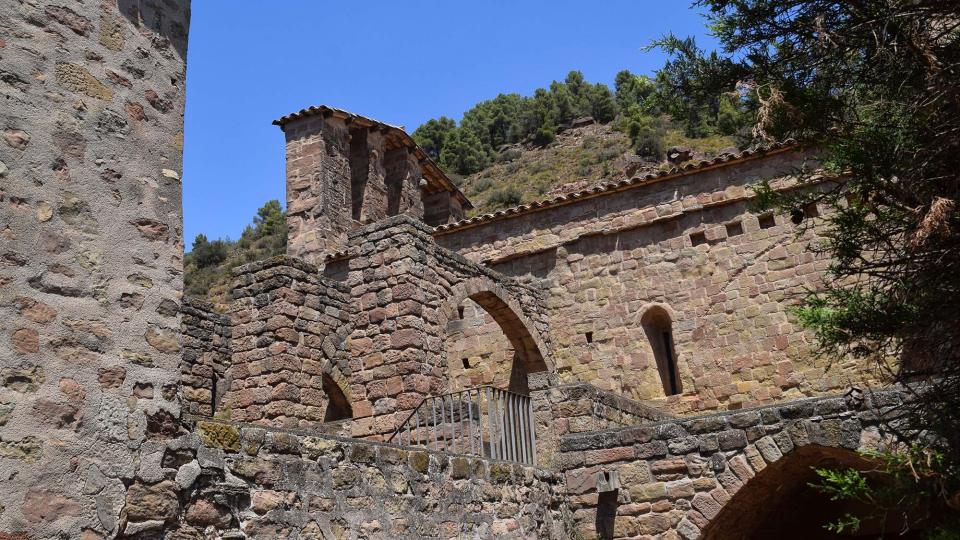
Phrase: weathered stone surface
{"type": "Point", "coordinates": [75, 172]}
{"type": "Point", "coordinates": [152, 502]}
{"type": "Point", "coordinates": [44, 505]}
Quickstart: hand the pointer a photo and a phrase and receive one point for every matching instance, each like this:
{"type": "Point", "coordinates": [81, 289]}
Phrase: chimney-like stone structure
{"type": "Point", "coordinates": [345, 171]}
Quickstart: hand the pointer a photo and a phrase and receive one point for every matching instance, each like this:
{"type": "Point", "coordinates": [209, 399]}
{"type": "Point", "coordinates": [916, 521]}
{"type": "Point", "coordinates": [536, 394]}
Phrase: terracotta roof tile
{"type": "Point", "coordinates": [613, 186]}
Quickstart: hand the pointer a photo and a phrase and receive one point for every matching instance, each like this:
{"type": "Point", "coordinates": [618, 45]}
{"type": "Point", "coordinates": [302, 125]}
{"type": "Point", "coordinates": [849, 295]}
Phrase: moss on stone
{"type": "Point", "coordinates": [420, 462]}
{"type": "Point", "coordinates": [501, 473]}
{"type": "Point", "coordinates": [217, 435]}
{"type": "Point", "coordinates": [459, 468]}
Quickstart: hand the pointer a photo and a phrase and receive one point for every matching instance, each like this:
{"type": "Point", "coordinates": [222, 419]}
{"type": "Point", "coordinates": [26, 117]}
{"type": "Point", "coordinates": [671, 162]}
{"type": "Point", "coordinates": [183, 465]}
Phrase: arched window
{"type": "Point", "coordinates": [338, 408]}
{"type": "Point", "coordinates": [488, 344]}
{"type": "Point", "coordinates": [658, 327]}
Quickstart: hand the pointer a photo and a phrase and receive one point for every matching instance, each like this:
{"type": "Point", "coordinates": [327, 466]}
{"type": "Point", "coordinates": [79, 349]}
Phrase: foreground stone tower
{"type": "Point", "coordinates": [91, 264]}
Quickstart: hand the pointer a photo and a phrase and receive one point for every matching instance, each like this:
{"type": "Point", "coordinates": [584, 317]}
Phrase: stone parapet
{"type": "Point", "coordinates": [230, 480]}
{"type": "Point", "coordinates": [677, 475]}
{"type": "Point", "coordinates": [289, 326]}
{"type": "Point", "coordinates": [561, 410]}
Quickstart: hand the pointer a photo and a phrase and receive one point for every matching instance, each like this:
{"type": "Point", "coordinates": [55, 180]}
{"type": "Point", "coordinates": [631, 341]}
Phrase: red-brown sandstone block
{"type": "Point", "coordinates": [25, 340]}
{"type": "Point", "coordinates": [608, 455]}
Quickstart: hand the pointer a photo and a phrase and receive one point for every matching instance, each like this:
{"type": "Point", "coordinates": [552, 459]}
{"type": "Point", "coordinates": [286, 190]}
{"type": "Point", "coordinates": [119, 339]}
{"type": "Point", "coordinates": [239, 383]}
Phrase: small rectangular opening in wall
{"type": "Point", "coordinates": [460, 312]}
{"type": "Point", "coordinates": [811, 210]}
{"type": "Point", "coordinates": [466, 363]}
{"type": "Point", "coordinates": [698, 238]}
{"type": "Point", "coordinates": [589, 336]}
{"type": "Point", "coordinates": [766, 220]}
{"type": "Point", "coordinates": [734, 228]}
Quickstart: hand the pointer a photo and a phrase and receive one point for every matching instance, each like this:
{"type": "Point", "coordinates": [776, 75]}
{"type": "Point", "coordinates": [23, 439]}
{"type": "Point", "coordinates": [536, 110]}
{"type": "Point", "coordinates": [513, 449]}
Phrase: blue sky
{"type": "Point", "coordinates": [251, 61]}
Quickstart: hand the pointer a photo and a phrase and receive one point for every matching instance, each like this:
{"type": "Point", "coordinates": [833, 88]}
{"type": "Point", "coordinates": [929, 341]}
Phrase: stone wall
{"type": "Point", "coordinates": [90, 254]}
{"type": "Point", "coordinates": [228, 480]}
{"type": "Point", "coordinates": [289, 363]}
{"type": "Point", "coordinates": [406, 290]}
{"type": "Point", "coordinates": [564, 409]}
{"type": "Point", "coordinates": [677, 476]}
{"type": "Point", "coordinates": [319, 199]}
{"type": "Point", "coordinates": [478, 352]}
{"type": "Point", "coordinates": [345, 171]}
{"type": "Point", "coordinates": [205, 338]}
{"type": "Point", "coordinates": [689, 248]}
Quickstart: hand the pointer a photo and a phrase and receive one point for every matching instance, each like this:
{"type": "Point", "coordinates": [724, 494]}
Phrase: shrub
{"type": "Point", "coordinates": [505, 197]}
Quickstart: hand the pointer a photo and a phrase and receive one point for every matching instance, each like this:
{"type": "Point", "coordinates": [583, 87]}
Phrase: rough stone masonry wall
{"type": "Point", "coordinates": [205, 338]}
{"type": "Point", "coordinates": [319, 209]}
{"type": "Point", "coordinates": [564, 409]}
{"type": "Point", "coordinates": [676, 476]}
{"type": "Point", "coordinates": [478, 352]}
{"type": "Point", "coordinates": [228, 480]}
{"type": "Point", "coordinates": [340, 177]}
{"type": "Point", "coordinates": [406, 289]}
{"type": "Point", "coordinates": [90, 254]}
{"type": "Point", "coordinates": [289, 359]}
{"type": "Point", "coordinates": [607, 259]}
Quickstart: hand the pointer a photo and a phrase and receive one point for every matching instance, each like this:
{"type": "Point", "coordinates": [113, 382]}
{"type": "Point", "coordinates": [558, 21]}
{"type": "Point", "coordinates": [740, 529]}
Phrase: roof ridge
{"type": "Point", "coordinates": [604, 187]}
{"type": "Point", "coordinates": [429, 165]}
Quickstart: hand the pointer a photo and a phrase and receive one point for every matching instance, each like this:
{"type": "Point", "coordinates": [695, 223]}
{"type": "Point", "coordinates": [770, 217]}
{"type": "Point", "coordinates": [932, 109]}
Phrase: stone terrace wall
{"type": "Point", "coordinates": [90, 254]}
{"type": "Point", "coordinates": [205, 335]}
{"type": "Point", "coordinates": [677, 475]}
{"type": "Point", "coordinates": [289, 356]}
{"type": "Point", "coordinates": [563, 409]}
{"type": "Point", "coordinates": [229, 480]}
{"type": "Point", "coordinates": [608, 259]}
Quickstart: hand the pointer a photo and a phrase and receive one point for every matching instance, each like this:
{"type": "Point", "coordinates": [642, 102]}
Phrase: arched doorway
{"type": "Point", "coordinates": [779, 502]}
{"type": "Point", "coordinates": [489, 344]}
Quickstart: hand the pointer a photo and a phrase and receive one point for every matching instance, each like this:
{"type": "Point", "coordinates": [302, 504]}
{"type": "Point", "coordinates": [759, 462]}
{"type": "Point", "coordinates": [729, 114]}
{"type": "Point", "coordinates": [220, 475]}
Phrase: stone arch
{"type": "Point", "coordinates": [336, 385]}
{"type": "Point", "coordinates": [779, 502]}
{"type": "Point", "coordinates": [338, 405]}
{"type": "Point", "coordinates": [657, 321]}
{"type": "Point", "coordinates": [530, 349]}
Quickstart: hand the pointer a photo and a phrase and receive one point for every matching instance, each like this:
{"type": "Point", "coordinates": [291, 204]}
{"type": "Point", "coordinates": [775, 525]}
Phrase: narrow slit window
{"type": "Point", "coordinates": [589, 336]}
{"type": "Point", "coordinates": [460, 312]}
{"type": "Point", "coordinates": [213, 393]}
{"type": "Point", "coordinates": [465, 362]}
{"type": "Point", "coordinates": [658, 327]}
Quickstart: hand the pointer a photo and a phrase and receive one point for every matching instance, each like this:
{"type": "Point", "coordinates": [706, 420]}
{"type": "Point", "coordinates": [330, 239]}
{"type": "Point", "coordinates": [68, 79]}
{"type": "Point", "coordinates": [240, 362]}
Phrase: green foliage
{"type": "Point", "coordinates": [912, 486]}
{"type": "Point", "coordinates": [873, 86]}
{"type": "Point", "coordinates": [206, 253]}
{"type": "Point", "coordinates": [504, 197]}
{"type": "Point", "coordinates": [638, 101]}
{"type": "Point", "coordinates": [208, 264]}
{"type": "Point", "coordinates": [432, 135]}
{"type": "Point", "coordinates": [634, 90]}
{"type": "Point", "coordinates": [646, 133]}
{"type": "Point", "coordinates": [463, 152]}
{"type": "Point", "coordinates": [692, 85]}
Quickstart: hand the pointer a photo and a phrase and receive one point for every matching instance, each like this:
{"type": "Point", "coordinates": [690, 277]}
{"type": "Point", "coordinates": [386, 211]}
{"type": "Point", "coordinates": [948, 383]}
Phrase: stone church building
{"type": "Point", "coordinates": [617, 362]}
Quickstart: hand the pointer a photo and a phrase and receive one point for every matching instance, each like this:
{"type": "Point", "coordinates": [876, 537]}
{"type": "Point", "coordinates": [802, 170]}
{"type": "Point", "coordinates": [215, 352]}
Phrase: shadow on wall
{"type": "Point", "coordinates": [149, 13]}
{"type": "Point", "coordinates": [488, 344]}
{"type": "Point", "coordinates": [780, 503]}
